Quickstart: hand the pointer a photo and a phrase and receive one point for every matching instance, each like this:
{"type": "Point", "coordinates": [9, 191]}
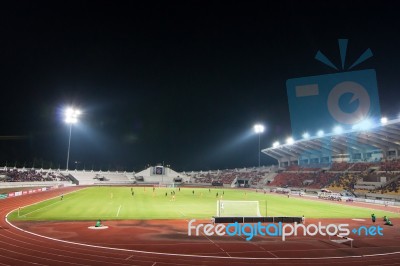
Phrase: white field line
{"type": "Point", "coordinates": [118, 210]}
{"type": "Point", "coordinates": [46, 200]}
{"type": "Point", "coordinates": [40, 208]}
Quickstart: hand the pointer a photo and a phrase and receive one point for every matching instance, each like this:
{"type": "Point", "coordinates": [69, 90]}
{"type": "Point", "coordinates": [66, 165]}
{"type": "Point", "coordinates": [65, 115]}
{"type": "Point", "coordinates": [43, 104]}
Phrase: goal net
{"type": "Point", "coordinates": [168, 185]}
{"type": "Point", "coordinates": [235, 208]}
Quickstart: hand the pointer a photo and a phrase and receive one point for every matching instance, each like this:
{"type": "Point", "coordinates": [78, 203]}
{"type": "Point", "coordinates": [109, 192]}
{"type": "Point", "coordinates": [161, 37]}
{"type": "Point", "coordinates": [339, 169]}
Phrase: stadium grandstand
{"type": "Point", "coordinates": [363, 162]}
{"type": "Point", "coordinates": [367, 143]}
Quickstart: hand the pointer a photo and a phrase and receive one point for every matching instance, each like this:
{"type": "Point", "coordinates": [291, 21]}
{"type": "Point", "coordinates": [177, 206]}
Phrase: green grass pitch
{"type": "Point", "coordinates": [112, 203]}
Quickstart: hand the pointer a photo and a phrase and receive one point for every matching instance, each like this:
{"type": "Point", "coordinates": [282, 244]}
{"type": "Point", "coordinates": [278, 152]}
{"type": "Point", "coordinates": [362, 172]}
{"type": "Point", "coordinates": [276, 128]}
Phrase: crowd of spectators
{"type": "Point", "coordinates": [340, 166]}
{"type": "Point", "coordinates": [228, 176]}
{"type": "Point", "coordinates": [363, 166]}
{"type": "Point", "coordinates": [390, 165]}
{"type": "Point", "coordinates": [347, 181]}
{"type": "Point", "coordinates": [385, 165]}
{"type": "Point", "coordinates": [343, 175]}
{"type": "Point", "coordinates": [301, 168]}
{"type": "Point", "coordinates": [392, 187]}
{"type": "Point", "coordinates": [31, 175]}
{"type": "Point", "coordinates": [317, 179]}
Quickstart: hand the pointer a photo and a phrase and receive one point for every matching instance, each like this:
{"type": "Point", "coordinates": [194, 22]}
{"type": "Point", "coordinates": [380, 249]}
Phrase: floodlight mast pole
{"type": "Point", "coordinates": [71, 117]}
{"type": "Point", "coordinates": [258, 128]}
{"type": "Point", "coordinates": [69, 145]}
{"type": "Point", "coordinates": [259, 149]}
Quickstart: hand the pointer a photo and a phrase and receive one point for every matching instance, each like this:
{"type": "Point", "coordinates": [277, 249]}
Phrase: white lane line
{"type": "Point", "coordinates": [198, 256]}
{"type": "Point", "coordinates": [216, 245]}
{"type": "Point", "coordinates": [129, 257]}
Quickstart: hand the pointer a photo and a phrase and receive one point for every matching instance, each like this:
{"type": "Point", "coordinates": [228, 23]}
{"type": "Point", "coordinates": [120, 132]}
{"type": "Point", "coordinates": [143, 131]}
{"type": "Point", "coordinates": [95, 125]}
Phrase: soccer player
{"type": "Point", "coordinates": [303, 220]}
{"type": "Point", "coordinates": [62, 196]}
{"type": "Point", "coordinates": [193, 192]}
{"type": "Point", "coordinates": [98, 223]}
{"type": "Point", "coordinates": [373, 218]}
{"type": "Point", "coordinates": [388, 222]}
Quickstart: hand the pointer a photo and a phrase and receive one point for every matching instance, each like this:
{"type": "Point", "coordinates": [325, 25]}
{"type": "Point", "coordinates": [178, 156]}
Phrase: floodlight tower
{"type": "Point", "coordinates": [71, 117]}
{"type": "Point", "coordinates": [258, 129]}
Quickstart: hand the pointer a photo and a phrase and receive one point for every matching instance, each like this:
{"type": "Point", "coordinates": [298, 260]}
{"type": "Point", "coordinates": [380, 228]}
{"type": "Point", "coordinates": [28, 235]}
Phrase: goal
{"type": "Point", "coordinates": [167, 185]}
{"type": "Point", "coordinates": [236, 208]}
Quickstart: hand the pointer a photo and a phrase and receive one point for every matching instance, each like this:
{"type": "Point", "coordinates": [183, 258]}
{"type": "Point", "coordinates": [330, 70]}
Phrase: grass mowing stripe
{"type": "Point", "coordinates": [71, 194]}
{"type": "Point", "coordinates": [26, 214]}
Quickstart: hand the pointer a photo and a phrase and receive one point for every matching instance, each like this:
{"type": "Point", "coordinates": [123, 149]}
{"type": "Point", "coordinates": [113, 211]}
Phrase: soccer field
{"type": "Point", "coordinates": [112, 203]}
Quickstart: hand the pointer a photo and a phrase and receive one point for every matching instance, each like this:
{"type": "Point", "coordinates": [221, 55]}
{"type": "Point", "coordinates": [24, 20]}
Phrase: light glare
{"type": "Point", "coordinates": [338, 129]}
{"type": "Point", "coordinates": [289, 140]}
{"type": "Point", "coordinates": [364, 125]}
{"type": "Point", "coordinates": [306, 135]}
{"type": "Point", "coordinates": [71, 115]}
{"type": "Point", "coordinates": [258, 128]}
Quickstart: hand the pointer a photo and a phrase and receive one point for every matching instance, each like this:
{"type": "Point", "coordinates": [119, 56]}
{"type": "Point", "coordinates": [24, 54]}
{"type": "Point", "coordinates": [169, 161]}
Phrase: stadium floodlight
{"type": "Point", "coordinates": [71, 117]}
{"type": "Point", "coordinates": [289, 141]}
{"type": "Point", "coordinates": [275, 144]}
{"type": "Point", "coordinates": [258, 128]}
{"type": "Point", "coordinates": [306, 135]}
{"type": "Point", "coordinates": [338, 130]}
{"type": "Point", "coordinates": [384, 120]}
{"type": "Point", "coordinates": [363, 125]}
{"type": "Point", "coordinates": [320, 133]}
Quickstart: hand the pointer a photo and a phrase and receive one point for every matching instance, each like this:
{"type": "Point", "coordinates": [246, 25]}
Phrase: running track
{"type": "Point", "coordinates": [21, 248]}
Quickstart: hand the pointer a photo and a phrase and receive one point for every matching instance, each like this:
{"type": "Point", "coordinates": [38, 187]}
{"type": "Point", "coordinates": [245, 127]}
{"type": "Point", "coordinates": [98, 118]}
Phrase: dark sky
{"type": "Point", "coordinates": [176, 82]}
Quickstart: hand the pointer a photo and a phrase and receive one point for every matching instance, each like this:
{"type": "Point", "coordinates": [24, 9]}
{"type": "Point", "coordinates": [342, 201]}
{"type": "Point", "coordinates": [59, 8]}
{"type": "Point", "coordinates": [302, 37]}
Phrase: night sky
{"type": "Point", "coordinates": [179, 83]}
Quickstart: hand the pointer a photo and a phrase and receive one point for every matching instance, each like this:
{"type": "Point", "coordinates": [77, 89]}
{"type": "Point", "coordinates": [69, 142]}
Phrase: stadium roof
{"type": "Point", "coordinates": [384, 136]}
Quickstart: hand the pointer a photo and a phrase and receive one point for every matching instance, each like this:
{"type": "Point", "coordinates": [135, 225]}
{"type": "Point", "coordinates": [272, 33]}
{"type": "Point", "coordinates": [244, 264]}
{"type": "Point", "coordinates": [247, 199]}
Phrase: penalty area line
{"type": "Point", "coordinates": [118, 210]}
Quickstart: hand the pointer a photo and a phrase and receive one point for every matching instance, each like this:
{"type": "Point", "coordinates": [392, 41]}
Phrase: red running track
{"type": "Point", "coordinates": [166, 243]}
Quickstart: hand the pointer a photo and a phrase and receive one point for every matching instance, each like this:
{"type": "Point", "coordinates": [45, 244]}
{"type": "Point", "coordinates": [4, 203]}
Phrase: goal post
{"type": "Point", "coordinates": [237, 208]}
